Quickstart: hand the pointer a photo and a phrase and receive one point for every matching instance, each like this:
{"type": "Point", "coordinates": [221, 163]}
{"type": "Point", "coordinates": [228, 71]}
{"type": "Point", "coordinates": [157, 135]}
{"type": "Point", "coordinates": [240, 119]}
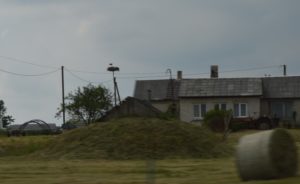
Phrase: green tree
{"type": "Point", "coordinates": [87, 104]}
{"type": "Point", "coordinates": [6, 119]}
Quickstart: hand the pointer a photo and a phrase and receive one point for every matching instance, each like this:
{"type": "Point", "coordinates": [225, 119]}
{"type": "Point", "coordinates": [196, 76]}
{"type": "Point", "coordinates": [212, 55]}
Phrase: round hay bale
{"type": "Point", "coordinates": [267, 155]}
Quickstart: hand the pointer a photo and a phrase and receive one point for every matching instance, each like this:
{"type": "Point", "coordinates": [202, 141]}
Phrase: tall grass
{"type": "Point", "coordinates": [22, 146]}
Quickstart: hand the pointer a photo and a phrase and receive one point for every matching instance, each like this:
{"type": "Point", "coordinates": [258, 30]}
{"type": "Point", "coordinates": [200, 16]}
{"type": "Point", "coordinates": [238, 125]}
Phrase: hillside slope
{"type": "Point", "coordinates": [137, 138]}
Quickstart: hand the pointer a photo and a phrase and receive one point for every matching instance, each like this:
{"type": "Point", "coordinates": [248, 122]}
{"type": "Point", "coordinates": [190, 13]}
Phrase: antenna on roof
{"type": "Point", "coordinates": [170, 73]}
{"type": "Point", "coordinates": [173, 105]}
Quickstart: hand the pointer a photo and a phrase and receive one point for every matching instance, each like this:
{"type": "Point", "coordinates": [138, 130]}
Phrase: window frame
{"type": "Point", "coordinates": [202, 110]}
{"type": "Point", "coordinates": [238, 114]}
{"type": "Point", "coordinates": [218, 106]}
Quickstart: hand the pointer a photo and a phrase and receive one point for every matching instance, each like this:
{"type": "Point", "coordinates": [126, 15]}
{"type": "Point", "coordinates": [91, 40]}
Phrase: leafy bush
{"type": "Point", "coordinates": [214, 119]}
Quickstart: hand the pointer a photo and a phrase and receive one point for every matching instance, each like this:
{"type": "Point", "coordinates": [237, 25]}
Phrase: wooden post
{"type": "Point", "coordinates": [63, 94]}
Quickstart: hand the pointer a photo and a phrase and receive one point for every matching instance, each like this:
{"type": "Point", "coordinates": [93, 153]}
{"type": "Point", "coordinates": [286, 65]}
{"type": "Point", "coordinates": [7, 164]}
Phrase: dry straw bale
{"type": "Point", "coordinates": [267, 155]}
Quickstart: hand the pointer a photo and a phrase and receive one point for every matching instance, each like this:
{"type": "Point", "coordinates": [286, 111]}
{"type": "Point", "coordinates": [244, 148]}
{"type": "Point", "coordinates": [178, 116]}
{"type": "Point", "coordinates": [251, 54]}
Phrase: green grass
{"type": "Point", "coordinates": [137, 138]}
{"type": "Point", "coordinates": [19, 164]}
{"type": "Point", "coordinates": [174, 171]}
{"type": "Point", "coordinates": [20, 146]}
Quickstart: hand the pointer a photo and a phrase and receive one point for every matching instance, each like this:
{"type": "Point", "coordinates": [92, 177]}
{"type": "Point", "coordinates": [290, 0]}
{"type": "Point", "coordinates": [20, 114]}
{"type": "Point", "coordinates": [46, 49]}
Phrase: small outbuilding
{"type": "Point", "coordinates": [132, 107]}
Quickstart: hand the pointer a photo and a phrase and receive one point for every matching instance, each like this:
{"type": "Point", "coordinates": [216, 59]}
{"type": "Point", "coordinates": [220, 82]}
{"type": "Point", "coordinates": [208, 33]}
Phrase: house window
{"type": "Point", "coordinates": [203, 110]}
{"type": "Point", "coordinates": [283, 110]}
{"type": "Point", "coordinates": [199, 111]}
{"type": "Point", "coordinates": [240, 110]}
{"type": "Point", "coordinates": [243, 109]}
{"type": "Point", "coordinates": [196, 111]}
{"type": "Point", "coordinates": [221, 106]}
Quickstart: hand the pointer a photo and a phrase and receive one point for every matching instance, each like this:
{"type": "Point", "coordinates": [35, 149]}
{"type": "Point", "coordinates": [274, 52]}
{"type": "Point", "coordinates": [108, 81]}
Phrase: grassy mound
{"type": "Point", "coordinates": [137, 138]}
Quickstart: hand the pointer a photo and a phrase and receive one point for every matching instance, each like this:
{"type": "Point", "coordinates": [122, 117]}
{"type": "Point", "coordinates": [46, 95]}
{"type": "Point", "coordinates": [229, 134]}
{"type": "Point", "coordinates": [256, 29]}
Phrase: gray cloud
{"type": "Point", "coordinates": [138, 36]}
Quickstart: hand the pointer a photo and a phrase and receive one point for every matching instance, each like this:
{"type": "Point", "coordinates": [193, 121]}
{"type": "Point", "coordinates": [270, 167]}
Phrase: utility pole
{"type": "Point", "coordinates": [63, 94]}
{"type": "Point", "coordinates": [113, 69]}
{"type": "Point", "coordinates": [1, 122]}
{"type": "Point", "coordinates": [172, 83]}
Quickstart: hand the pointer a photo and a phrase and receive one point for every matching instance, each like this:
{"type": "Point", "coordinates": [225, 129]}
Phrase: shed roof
{"type": "Point", "coordinates": [221, 87]}
{"type": "Point", "coordinates": [281, 87]}
{"type": "Point", "coordinates": [132, 107]}
{"type": "Point", "coordinates": [160, 89]}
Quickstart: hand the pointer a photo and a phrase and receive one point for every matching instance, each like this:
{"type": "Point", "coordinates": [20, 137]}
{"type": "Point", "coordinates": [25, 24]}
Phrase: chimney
{"type": "Point", "coordinates": [179, 75]}
{"type": "Point", "coordinates": [214, 73]}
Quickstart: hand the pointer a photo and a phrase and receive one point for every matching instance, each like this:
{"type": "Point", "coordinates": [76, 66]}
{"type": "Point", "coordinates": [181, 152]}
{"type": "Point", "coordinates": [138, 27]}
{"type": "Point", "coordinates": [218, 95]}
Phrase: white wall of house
{"type": "Point", "coordinates": [187, 106]}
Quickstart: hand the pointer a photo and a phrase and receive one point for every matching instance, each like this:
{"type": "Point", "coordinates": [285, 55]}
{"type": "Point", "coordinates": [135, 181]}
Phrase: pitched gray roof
{"type": "Point", "coordinates": [270, 87]}
{"type": "Point", "coordinates": [221, 87]}
{"type": "Point", "coordinates": [160, 89]}
{"type": "Point", "coordinates": [281, 87]}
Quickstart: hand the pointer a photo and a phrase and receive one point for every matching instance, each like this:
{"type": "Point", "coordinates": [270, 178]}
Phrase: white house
{"type": "Point", "coordinates": [247, 97]}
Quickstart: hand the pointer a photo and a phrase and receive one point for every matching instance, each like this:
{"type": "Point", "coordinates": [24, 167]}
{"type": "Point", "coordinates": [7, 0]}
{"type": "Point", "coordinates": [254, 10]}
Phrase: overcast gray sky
{"type": "Point", "coordinates": [143, 38]}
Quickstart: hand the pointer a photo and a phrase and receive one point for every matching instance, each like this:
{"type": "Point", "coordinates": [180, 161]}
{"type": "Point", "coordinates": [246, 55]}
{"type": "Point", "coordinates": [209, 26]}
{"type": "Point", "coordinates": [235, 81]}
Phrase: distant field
{"type": "Point", "coordinates": [19, 168]}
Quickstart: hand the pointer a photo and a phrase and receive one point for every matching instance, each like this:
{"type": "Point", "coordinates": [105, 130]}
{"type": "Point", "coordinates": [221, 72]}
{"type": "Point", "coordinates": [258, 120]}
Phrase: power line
{"type": "Point", "coordinates": [27, 62]}
{"type": "Point", "coordinates": [129, 77]}
{"type": "Point", "coordinates": [28, 75]}
{"type": "Point", "coordinates": [251, 69]}
{"type": "Point", "coordinates": [143, 77]}
{"type": "Point", "coordinates": [204, 73]}
{"type": "Point", "coordinates": [89, 72]}
{"type": "Point", "coordinates": [76, 76]}
{"type": "Point", "coordinates": [237, 70]}
{"type": "Point", "coordinates": [73, 70]}
{"type": "Point", "coordinates": [84, 80]}
{"type": "Point", "coordinates": [139, 73]}
{"type": "Point", "coordinates": [120, 74]}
